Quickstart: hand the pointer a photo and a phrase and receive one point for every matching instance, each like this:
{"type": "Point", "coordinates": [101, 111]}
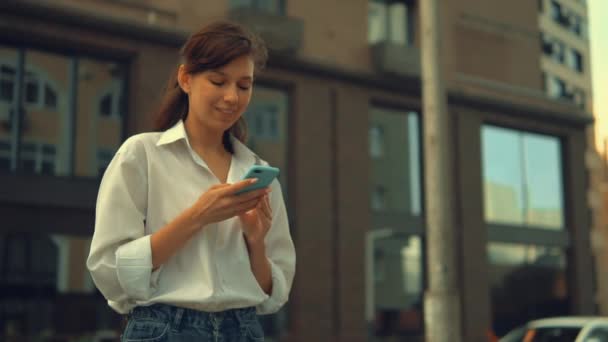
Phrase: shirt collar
{"type": "Point", "coordinates": [243, 157]}
{"type": "Point", "coordinates": [175, 133]}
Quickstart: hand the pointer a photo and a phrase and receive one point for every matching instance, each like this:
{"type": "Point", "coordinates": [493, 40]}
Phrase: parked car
{"type": "Point", "coordinates": [561, 329]}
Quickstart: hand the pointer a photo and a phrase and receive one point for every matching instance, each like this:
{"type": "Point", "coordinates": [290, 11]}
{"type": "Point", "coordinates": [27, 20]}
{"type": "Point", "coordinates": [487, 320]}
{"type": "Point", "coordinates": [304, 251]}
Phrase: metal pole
{"type": "Point", "coordinates": [441, 299]}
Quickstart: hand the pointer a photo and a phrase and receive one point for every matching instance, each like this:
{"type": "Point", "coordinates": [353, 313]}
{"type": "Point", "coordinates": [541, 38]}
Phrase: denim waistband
{"type": "Point", "coordinates": [228, 319]}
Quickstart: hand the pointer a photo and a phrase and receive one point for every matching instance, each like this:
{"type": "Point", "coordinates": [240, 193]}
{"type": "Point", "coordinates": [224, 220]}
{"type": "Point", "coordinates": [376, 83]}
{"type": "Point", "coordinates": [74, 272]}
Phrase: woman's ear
{"type": "Point", "coordinates": [183, 79]}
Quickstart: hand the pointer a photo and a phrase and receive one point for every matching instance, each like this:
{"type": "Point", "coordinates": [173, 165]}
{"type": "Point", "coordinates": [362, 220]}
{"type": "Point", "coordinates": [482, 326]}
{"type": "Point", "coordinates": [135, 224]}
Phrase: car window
{"type": "Point", "coordinates": [515, 335]}
{"type": "Point", "coordinates": [551, 335]}
{"type": "Point", "coordinates": [598, 335]}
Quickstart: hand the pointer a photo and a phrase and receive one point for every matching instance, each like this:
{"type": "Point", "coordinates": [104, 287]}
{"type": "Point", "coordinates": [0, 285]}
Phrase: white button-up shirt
{"type": "Point", "coordinates": [152, 179]}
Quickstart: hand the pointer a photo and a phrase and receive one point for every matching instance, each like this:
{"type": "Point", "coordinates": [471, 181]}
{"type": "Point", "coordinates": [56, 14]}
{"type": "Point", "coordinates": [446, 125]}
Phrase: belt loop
{"type": "Point", "coordinates": [179, 313]}
{"type": "Point", "coordinates": [238, 314]}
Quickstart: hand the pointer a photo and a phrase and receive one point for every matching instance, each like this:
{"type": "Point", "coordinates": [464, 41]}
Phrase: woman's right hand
{"type": "Point", "coordinates": [220, 202]}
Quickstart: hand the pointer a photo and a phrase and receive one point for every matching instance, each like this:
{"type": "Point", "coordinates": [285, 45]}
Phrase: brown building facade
{"type": "Point", "coordinates": [339, 111]}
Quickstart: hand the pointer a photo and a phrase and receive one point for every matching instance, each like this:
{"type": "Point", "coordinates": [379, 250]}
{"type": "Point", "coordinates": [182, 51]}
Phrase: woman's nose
{"type": "Point", "coordinates": [231, 95]}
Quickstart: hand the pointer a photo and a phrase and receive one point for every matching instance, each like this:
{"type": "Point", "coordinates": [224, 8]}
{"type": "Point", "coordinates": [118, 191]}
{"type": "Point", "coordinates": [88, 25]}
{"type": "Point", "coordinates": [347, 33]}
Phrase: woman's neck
{"type": "Point", "coordinates": [202, 139]}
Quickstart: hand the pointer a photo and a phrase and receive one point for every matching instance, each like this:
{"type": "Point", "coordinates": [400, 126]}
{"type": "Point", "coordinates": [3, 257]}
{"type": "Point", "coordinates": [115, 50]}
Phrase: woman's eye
{"type": "Point", "coordinates": [217, 83]}
{"type": "Point", "coordinates": [244, 87]}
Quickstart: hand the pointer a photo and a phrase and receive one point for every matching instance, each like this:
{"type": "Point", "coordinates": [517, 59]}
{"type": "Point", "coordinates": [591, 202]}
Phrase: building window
{"type": "Point", "coordinates": [552, 48]}
{"type": "Point", "coordinates": [568, 19]}
{"type": "Point", "coordinates": [59, 92]}
{"type": "Point", "coordinates": [379, 198]}
{"type": "Point", "coordinates": [267, 120]}
{"type": "Point", "coordinates": [390, 21]}
{"type": "Point", "coordinates": [556, 87]}
{"type": "Point", "coordinates": [38, 158]}
{"type": "Point", "coordinates": [269, 6]}
{"type": "Point", "coordinates": [50, 97]}
{"type": "Point", "coordinates": [538, 271]}
{"type": "Point", "coordinates": [557, 50]}
{"type": "Point", "coordinates": [522, 178]}
{"type": "Point", "coordinates": [5, 155]}
{"type": "Point", "coordinates": [104, 157]}
{"type": "Point", "coordinates": [574, 60]}
{"type": "Point", "coordinates": [394, 245]}
{"type": "Point", "coordinates": [46, 297]}
{"type": "Point", "coordinates": [556, 11]}
{"type": "Point", "coordinates": [523, 189]}
{"type": "Point", "coordinates": [7, 83]}
{"type": "Point", "coordinates": [101, 90]}
{"type": "Point", "coordinates": [398, 133]}
{"type": "Point", "coordinates": [578, 25]}
{"type": "Point", "coordinates": [38, 90]}
{"type": "Point", "coordinates": [376, 141]}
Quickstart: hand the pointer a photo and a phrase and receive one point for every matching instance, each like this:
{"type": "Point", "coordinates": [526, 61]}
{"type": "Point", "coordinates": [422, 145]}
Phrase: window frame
{"type": "Point", "coordinates": [257, 5]}
{"type": "Point", "coordinates": [72, 56]}
{"type": "Point", "coordinates": [388, 32]}
{"type": "Point", "coordinates": [403, 225]}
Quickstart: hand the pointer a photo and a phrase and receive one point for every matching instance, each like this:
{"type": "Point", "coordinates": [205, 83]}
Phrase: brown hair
{"type": "Point", "coordinates": [212, 47]}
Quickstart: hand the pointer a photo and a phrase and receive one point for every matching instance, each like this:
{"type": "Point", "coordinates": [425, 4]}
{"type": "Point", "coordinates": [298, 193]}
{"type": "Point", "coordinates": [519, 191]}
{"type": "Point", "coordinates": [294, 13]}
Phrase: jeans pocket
{"type": "Point", "coordinates": [255, 331]}
{"type": "Point", "coordinates": [145, 330]}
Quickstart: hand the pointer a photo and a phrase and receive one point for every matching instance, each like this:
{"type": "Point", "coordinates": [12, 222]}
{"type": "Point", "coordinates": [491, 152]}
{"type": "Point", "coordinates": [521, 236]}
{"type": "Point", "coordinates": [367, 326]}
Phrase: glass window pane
{"type": "Point", "coordinates": [271, 6]}
{"type": "Point", "coordinates": [376, 141]}
{"type": "Point", "coordinates": [49, 126]}
{"type": "Point", "coordinates": [398, 23]}
{"type": "Point", "coordinates": [544, 188]}
{"type": "Point", "coordinates": [6, 89]}
{"type": "Point", "coordinates": [522, 178]}
{"type": "Point", "coordinates": [31, 91]}
{"type": "Point", "coordinates": [48, 293]}
{"type": "Point", "coordinates": [98, 113]}
{"type": "Point", "coordinates": [266, 119]}
{"type": "Point", "coordinates": [397, 286]}
{"type": "Point", "coordinates": [267, 122]}
{"type": "Point", "coordinates": [377, 21]}
{"type": "Point", "coordinates": [502, 175]}
{"type": "Point", "coordinates": [415, 159]}
{"type": "Point", "coordinates": [397, 171]}
{"type": "Point", "coordinates": [50, 97]}
{"type": "Point", "coordinates": [527, 282]}
{"type": "Point", "coordinates": [8, 83]}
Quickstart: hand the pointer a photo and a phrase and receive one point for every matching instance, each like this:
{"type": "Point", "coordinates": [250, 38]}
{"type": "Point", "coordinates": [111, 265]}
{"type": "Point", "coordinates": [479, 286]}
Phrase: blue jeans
{"type": "Point", "coordinates": [161, 322]}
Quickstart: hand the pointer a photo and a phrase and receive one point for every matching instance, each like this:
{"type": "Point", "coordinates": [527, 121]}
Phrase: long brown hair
{"type": "Point", "coordinates": [212, 47]}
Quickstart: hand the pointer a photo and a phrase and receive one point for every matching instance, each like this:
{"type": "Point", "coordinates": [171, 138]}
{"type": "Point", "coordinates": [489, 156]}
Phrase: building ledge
{"type": "Point", "coordinates": [282, 34]}
{"type": "Point", "coordinates": [391, 58]}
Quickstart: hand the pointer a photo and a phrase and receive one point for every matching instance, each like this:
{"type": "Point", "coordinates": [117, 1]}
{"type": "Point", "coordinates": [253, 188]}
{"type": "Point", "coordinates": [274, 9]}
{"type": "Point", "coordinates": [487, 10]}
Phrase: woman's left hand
{"type": "Point", "coordinates": [257, 222]}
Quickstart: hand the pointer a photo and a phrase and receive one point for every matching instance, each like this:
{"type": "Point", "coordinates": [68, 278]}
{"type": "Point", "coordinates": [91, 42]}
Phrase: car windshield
{"type": "Point", "coordinates": [554, 334]}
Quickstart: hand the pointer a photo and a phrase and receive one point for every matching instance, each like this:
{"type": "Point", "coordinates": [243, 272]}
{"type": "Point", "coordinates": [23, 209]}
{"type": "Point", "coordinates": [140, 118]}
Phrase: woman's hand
{"type": "Point", "coordinates": [257, 222]}
{"type": "Point", "coordinates": [220, 203]}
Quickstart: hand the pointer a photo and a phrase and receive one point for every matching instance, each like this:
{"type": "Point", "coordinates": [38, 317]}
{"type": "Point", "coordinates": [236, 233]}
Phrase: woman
{"type": "Point", "coordinates": [174, 247]}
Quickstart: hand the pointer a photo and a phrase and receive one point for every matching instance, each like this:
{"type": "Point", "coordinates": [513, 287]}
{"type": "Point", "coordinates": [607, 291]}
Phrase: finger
{"type": "Point", "coordinates": [244, 207]}
{"type": "Point", "coordinates": [266, 208]}
{"type": "Point", "coordinates": [240, 185]}
{"type": "Point", "coordinates": [250, 195]}
{"type": "Point", "coordinates": [218, 186]}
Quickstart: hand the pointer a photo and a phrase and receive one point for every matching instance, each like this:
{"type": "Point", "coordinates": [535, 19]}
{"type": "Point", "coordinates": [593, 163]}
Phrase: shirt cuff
{"type": "Point", "coordinates": [278, 297]}
{"type": "Point", "coordinates": [134, 269]}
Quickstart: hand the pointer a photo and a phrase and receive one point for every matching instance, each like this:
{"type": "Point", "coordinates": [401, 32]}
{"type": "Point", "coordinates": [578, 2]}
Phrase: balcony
{"type": "Point", "coordinates": [282, 34]}
{"type": "Point", "coordinates": [392, 58]}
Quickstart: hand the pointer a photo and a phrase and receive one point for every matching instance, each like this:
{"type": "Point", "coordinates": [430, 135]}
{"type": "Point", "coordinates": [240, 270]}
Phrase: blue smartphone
{"type": "Point", "coordinates": [264, 174]}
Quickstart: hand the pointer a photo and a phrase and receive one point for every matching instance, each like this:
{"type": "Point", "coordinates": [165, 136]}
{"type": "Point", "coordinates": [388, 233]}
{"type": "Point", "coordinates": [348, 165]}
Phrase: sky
{"type": "Point", "coordinates": [598, 29]}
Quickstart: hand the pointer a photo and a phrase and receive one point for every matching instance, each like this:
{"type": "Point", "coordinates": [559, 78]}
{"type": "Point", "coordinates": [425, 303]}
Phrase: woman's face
{"type": "Point", "coordinates": [217, 98]}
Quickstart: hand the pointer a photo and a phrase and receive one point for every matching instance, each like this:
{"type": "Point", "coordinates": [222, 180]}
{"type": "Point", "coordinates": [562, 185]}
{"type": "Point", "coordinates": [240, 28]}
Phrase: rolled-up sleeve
{"type": "Point", "coordinates": [281, 255]}
{"type": "Point", "coordinates": [120, 259]}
